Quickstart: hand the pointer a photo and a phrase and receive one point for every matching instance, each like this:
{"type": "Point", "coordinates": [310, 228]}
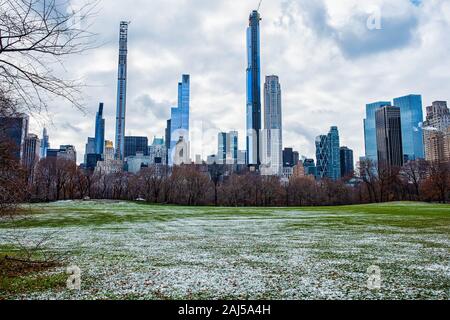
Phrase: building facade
{"type": "Point", "coordinates": [328, 155]}
{"type": "Point", "coordinates": [179, 122]}
{"type": "Point", "coordinates": [31, 153]}
{"type": "Point", "coordinates": [347, 162]}
{"type": "Point", "coordinates": [272, 140]}
{"type": "Point", "coordinates": [157, 151]}
{"type": "Point", "coordinates": [45, 144]}
{"type": "Point", "coordinates": [99, 131]}
{"type": "Point", "coordinates": [135, 145]}
{"type": "Point", "coordinates": [434, 128]}
{"type": "Point", "coordinates": [253, 90]}
{"type": "Point", "coordinates": [370, 132]}
{"type": "Point", "coordinates": [14, 131]}
{"type": "Point", "coordinates": [411, 122]}
{"type": "Point", "coordinates": [389, 137]}
{"type": "Point", "coordinates": [121, 91]}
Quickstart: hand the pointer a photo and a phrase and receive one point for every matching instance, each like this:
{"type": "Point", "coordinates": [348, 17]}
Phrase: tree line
{"type": "Point", "coordinates": [192, 185]}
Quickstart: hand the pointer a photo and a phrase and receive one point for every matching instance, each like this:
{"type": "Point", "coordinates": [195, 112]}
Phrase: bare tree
{"type": "Point", "coordinates": [36, 36]}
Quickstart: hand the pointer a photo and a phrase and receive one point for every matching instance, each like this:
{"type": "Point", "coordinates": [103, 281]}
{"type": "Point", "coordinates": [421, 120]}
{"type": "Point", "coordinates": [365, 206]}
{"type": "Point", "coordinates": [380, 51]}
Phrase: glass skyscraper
{"type": "Point", "coordinates": [253, 90]}
{"type": "Point", "coordinates": [179, 124]}
{"type": "Point", "coordinates": [411, 113]}
{"type": "Point", "coordinates": [328, 155]}
{"type": "Point", "coordinates": [121, 91]}
{"type": "Point", "coordinates": [389, 137]}
{"type": "Point", "coordinates": [370, 134]}
{"type": "Point", "coordinates": [99, 131]}
{"type": "Point", "coordinates": [135, 145]}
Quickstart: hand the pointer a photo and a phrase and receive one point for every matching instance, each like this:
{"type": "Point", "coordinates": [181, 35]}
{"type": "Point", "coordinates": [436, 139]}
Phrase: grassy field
{"type": "Point", "coordinates": [138, 251]}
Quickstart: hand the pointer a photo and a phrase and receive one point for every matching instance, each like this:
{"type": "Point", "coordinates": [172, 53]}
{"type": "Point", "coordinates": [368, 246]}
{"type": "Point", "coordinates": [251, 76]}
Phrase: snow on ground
{"type": "Point", "coordinates": [221, 253]}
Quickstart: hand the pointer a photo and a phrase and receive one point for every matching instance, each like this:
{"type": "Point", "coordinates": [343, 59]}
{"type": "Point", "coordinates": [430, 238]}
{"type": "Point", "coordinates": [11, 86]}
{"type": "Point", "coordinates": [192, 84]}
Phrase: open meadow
{"type": "Point", "coordinates": [128, 250]}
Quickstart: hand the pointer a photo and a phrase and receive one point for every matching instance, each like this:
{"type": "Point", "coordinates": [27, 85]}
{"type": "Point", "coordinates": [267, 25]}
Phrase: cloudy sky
{"type": "Point", "coordinates": [329, 62]}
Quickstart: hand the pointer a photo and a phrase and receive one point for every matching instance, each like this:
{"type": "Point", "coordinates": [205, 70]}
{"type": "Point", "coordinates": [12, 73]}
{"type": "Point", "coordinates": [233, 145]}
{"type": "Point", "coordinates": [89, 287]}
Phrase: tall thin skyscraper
{"type": "Point", "coordinates": [253, 90]}
{"type": "Point", "coordinates": [411, 121]}
{"type": "Point", "coordinates": [370, 132]}
{"type": "Point", "coordinates": [179, 122]}
{"type": "Point", "coordinates": [121, 91]}
{"type": "Point", "coordinates": [168, 127]}
{"type": "Point", "coordinates": [347, 162]}
{"type": "Point", "coordinates": [45, 144]}
{"type": "Point", "coordinates": [99, 131]}
{"type": "Point", "coordinates": [272, 138]}
{"type": "Point", "coordinates": [389, 137]}
{"type": "Point", "coordinates": [31, 152]}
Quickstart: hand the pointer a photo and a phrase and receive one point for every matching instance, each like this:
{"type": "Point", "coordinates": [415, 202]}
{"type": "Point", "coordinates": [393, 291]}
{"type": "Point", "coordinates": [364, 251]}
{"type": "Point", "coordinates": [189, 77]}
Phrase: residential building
{"type": "Point", "coordinates": [328, 155]}
{"type": "Point", "coordinates": [434, 128]}
{"type": "Point", "coordinates": [179, 124]}
{"type": "Point", "coordinates": [45, 144]}
{"type": "Point", "coordinates": [272, 141]}
{"type": "Point", "coordinates": [121, 91]}
{"type": "Point", "coordinates": [253, 90]}
{"type": "Point", "coordinates": [99, 131]}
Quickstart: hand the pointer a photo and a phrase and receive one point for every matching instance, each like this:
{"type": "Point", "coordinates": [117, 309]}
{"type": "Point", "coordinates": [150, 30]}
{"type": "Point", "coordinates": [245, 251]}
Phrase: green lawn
{"type": "Point", "coordinates": [132, 250]}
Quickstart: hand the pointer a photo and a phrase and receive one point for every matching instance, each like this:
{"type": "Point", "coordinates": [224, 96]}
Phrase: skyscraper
{"type": "Point", "coordinates": [288, 157]}
{"type": "Point", "coordinates": [411, 123]}
{"type": "Point", "coordinates": [370, 133]}
{"type": "Point", "coordinates": [389, 137]}
{"type": "Point", "coordinates": [45, 144]}
{"type": "Point", "coordinates": [121, 91]}
{"type": "Point", "coordinates": [222, 147]}
{"type": "Point", "coordinates": [32, 146]}
{"type": "Point", "coordinates": [253, 90]}
{"type": "Point", "coordinates": [347, 162]}
{"type": "Point", "coordinates": [99, 131]}
{"type": "Point", "coordinates": [14, 130]}
{"type": "Point", "coordinates": [273, 155]}
{"type": "Point", "coordinates": [328, 155]}
{"type": "Point", "coordinates": [434, 128]}
{"type": "Point", "coordinates": [227, 147]}
{"type": "Point", "coordinates": [135, 145]}
{"type": "Point", "coordinates": [168, 128]}
{"type": "Point", "coordinates": [179, 124]}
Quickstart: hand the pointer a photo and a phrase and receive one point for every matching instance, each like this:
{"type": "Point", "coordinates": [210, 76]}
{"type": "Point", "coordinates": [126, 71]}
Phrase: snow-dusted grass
{"type": "Point", "coordinates": [138, 251]}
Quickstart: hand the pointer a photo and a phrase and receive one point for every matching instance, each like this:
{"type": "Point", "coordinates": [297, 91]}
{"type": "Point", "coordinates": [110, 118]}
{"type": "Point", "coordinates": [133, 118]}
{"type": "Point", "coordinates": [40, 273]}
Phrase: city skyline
{"type": "Point", "coordinates": [307, 107]}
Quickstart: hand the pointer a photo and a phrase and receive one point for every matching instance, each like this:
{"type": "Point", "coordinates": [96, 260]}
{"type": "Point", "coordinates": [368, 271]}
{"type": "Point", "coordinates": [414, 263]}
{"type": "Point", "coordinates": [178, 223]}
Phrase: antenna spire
{"type": "Point", "coordinates": [259, 5]}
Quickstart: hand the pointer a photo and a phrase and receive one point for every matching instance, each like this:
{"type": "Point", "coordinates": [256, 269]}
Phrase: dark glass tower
{"type": "Point", "coordinates": [121, 91]}
{"type": "Point", "coordinates": [99, 131]}
{"type": "Point", "coordinates": [253, 90]}
{"type": "Point", "coordinates": [389, 137]}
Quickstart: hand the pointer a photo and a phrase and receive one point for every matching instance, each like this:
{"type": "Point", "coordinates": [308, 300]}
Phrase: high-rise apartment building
{"type": "Point", "coordinates": [99, 131]}
{"type": "Point", "coordinates": [253, 90]}
{"type": "Point", "coordinates": [411, 113]}
{"type": "Point", "coordinates": [389, 137]}
{"type": "Point", "coordinates": [272, 142]}
{"type": "Point", "coordinates": [179, 122]}
{"type": "Point", "coordinates": [121, 91]}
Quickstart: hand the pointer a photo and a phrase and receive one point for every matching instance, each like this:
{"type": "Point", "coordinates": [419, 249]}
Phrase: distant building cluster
{"type": "Point", "coordinates": [394, 133]}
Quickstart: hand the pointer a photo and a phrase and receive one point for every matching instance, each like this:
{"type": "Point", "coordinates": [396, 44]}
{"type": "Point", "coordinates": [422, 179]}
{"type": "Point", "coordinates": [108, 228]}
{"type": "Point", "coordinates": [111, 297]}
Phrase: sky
{"type": "Point", "coordinates": [332, 56]}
